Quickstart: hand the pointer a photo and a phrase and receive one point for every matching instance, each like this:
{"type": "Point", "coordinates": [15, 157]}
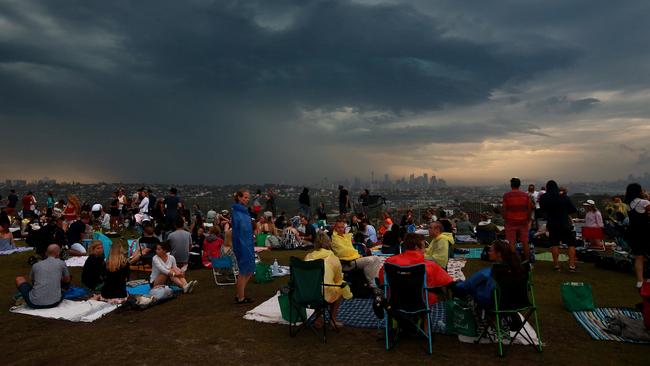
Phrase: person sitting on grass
{"type": "Point", "coordinates": [6, 237]}
{"type": "Point", "coordinates": [76, 233]}
{"type": "Point", "coordinates": [116, 275]}
{"type": "Point", "coordinates": [164, 268]}
{"type": "Point", "coordinates": [333, 276]}
{"type": "Point", "coordinates": [48, 277]}
{"type": "Point", "coordinates": [92, 275]}
{"type": "Point", "coordinates": [146, 245]}
{"type": "Point", "coordinates": [413, 246]}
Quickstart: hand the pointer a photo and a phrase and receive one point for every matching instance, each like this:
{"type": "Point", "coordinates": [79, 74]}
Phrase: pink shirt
{"type": "Point", "coordinates": [594, 219]}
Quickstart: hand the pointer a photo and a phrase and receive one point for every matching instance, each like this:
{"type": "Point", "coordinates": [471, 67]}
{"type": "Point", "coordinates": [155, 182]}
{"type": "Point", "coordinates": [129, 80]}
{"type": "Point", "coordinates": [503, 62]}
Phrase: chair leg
{"type": "Point", "coordinates": [539, 334]}
{"type": "Point", "coordinates": [388, 331]}
{"type": "Point", "coordinates": [430, 333]}
{"type": "Point", "coordinates": [499, 335]}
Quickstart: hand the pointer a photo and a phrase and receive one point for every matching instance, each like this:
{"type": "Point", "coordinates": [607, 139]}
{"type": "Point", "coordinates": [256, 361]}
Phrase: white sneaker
{"type": "Point", "coordinates": [190, 286]}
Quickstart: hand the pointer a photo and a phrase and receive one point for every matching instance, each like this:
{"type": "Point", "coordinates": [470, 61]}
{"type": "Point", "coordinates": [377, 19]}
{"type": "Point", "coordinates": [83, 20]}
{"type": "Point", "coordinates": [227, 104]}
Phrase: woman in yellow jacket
{"type": "Point", "coordinates": [333, 275]}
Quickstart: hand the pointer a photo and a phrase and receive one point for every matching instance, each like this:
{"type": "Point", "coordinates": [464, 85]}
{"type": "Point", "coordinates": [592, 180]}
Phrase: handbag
{"type": "Point", "coordinates": [577, 296]}
{"type": "Point", "coordinates": [460, 318]}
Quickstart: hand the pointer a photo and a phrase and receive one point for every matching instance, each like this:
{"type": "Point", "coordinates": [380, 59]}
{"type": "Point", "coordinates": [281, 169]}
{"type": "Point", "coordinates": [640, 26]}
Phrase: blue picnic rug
{"type": "Point", "coordinates": [358, 313]}
{"type": "Point", "coordinates": [595, 322]}
{"type": "Point", "coordinates": [144, 289]}
{"type": "Point", "coordinates": [469, 253]}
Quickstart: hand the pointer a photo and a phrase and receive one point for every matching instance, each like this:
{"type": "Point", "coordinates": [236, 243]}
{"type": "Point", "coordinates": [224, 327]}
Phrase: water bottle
{"type": "Point", "coordinates": [275, 269]}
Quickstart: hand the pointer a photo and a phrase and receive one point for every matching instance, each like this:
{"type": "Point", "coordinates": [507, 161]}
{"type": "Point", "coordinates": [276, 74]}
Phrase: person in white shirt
{"type": "Point", "coordinates": [163, 268]}
{"type": "Point", "coordinates": [143, 207]}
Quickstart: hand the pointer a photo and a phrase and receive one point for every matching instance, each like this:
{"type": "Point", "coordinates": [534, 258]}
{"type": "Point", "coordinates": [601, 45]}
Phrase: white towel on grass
{"type": "Point", "coordinates": [74, 311]}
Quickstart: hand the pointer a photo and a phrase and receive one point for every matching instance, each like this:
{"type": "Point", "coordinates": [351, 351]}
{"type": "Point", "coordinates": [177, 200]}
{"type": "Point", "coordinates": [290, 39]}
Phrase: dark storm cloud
{"type": "Point", "coordinates": [200, 79]}
{"type": "Point", "coordinates": [562, 105]}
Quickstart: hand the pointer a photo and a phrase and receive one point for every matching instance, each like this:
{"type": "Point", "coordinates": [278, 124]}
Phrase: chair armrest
{"type": "Point", "coordinates": [342, 285]}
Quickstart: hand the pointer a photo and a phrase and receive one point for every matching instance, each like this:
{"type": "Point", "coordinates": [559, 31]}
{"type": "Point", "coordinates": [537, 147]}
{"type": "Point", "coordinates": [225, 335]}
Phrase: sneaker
{"type": "Point", "coordinates": [639, 284]}
{"type": "Point", "coordinates": [190, 286]}
{"type": "Point", "coordinates": [573, 269]}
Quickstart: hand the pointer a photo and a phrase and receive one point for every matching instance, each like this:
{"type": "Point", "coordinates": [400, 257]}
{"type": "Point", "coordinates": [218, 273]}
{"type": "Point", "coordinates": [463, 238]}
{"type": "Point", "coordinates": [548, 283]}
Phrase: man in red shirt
{"type": "Point", "coordinates": [517, 207]}
{"type": "Point", "coordinates": [414, 254]}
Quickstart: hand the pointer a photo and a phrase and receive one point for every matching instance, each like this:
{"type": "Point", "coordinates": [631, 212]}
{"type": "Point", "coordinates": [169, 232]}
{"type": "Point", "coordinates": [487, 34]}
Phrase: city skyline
{"type": "Point", "coordinates": [292, 91]}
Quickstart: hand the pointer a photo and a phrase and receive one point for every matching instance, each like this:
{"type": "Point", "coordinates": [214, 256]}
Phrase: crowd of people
{"type": "Point", "coordinates": [174, 239]}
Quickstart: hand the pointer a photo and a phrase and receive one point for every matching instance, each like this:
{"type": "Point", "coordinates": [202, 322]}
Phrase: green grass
{"type": "Point", "coordinates": [207, 327]}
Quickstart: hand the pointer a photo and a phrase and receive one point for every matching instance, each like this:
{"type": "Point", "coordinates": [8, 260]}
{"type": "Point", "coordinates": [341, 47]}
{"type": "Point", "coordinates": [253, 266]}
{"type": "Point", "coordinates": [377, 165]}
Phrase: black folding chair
{"type": "Point", "coordinates": [407, 302]}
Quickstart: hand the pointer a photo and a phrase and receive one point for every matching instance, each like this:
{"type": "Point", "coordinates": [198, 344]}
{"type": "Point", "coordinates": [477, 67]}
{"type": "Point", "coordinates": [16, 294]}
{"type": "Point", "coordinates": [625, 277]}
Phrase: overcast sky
{"type": "Point", "coordinates": [288, 91]}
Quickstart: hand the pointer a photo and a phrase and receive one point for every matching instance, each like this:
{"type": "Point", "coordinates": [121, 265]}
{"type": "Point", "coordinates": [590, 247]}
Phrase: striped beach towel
{"type": "Point", "coordinates": [595, 322]}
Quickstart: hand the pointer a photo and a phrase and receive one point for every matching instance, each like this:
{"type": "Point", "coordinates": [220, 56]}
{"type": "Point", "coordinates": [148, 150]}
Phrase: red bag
{"type": "Point", "coordinates": [645, 294]}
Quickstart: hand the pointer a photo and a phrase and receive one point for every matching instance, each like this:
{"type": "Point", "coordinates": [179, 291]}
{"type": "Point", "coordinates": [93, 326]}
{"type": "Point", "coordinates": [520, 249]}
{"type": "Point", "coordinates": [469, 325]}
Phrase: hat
{"type": "Point", "coordinates": [589, 203]}
{"type": "Point", "coordinates": [268, 214]}
{"type": "Point", "coordinates": [224, 212]}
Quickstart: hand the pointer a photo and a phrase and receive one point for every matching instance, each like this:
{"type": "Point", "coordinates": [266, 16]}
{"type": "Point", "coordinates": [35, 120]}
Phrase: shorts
{"type": "Point", "coordinates": [563, 235]}
{"type": "Point", "coordinates": [25, 288]}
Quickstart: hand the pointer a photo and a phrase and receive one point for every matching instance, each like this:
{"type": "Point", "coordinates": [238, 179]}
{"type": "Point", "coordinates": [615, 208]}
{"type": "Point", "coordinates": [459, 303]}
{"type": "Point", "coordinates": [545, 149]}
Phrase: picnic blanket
{"type": "Point", "coordinates": [76, 261]}
{"type": "Point", "coordinates": [269, 312]}
{"type": "Point", "coordinates": [468, 253]}
{"type": "Point", "coordinates": [358, 313]}
{"type": "Point", "coordinates": [144, 289]}
{"type": "Point", "coordinates": [455, 268]}
{"type": "Point", "coordinates": [74, 311]}
{"type": "Point", "coordinates": [595, 322]}
{"type": "Point", "coordinates": [16, 250]}
{"type": "Point", "coordinates": [548, 257]}
{"type": "Point", "coordinates": [460, 239]}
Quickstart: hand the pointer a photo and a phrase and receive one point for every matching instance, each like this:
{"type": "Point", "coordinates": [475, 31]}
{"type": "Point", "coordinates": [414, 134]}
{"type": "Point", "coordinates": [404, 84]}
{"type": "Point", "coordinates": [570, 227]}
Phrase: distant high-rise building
{"type": "Point", "coordinates": [426, 179]}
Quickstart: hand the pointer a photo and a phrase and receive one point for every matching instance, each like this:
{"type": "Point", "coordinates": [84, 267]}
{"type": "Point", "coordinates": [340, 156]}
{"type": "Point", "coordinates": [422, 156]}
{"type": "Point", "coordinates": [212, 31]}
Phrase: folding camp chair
{"type": "Point", "coordinates": [408, 302]}
{"type": "Point", "coordinates": [221, 265]}
{"type": "Point", "coordinates": [306, 289]}
{"type": "Point", "coordinates": [513, 295]}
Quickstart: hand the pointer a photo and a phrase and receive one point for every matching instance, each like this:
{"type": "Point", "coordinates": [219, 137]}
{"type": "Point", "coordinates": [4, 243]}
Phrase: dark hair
{"type": "Point", "coordinates": [359, 237]}
{"type": "Point", "coordinates": [552, 188]}
{"type": "Point", "coordinates": [239, 194]}
{"type": "Point", "coordinates": [412, 241]}
{"type": "Point", "coordinates": [515, 182]}
{"type": "Point", "coordinates": [173, 190]}
{"type": "Point", "coordinates": [633, 191]}
{"type": "Point", "coordinates": [179, 223]}
{"type": "Point", "coordinates": [509, 258]}
{"type": "Point", "coordinates": [165, 245]}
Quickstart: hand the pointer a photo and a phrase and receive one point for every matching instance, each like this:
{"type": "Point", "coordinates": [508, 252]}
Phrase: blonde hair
{"type": "Point", "coordinates": [94, 245]}
{"type": "Point", "coordinates": [322, 241]}
{"type": "Point", "coordinates": [116, 258]}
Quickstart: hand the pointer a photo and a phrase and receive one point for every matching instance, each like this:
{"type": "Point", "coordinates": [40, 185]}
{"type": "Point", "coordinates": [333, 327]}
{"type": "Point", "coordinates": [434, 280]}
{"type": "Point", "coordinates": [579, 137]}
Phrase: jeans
{"type": "Point", "coordinates": [25, 288]}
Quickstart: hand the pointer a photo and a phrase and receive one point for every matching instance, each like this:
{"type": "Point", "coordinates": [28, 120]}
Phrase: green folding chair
{"type": "Point", "coordinates": [307, 290]}
{"type": "Point", "coordinates": [512, 296]}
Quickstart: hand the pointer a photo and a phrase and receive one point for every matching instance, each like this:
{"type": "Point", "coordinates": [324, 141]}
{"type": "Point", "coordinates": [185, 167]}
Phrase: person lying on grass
{"type": "Point", "coordinates": [333, 275]}
{"type": "Point", "coordinates": [164, 268]}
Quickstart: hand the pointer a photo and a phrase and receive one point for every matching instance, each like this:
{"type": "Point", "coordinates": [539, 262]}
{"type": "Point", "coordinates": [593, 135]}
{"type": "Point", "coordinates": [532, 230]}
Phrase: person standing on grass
{"type": "Point", "coordinates": [639, 230]}
{"type": "Point", "coordinates": [517, 208]}
{"type": "Point", "coordinates": [243, 245]}
{"type": "Point", "coordinates": [305, 203]}
{"type": "Point", "coordinates": [557, 208]}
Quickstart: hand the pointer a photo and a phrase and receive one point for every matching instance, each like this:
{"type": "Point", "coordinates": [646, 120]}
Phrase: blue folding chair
{"type": "Point", "coordinates": [221, 265]}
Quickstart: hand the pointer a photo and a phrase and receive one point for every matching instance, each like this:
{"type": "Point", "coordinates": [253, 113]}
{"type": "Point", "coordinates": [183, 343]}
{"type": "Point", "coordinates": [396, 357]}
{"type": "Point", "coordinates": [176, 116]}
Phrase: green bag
{"type": "Point", "coordinates": [460, 318]}
{"type": "Point", "coordinates": [297, 314]}
{"type": "Point", "coordinates": [260, 239]}
{"type": "Point", "coordinates": [262, 273]}
{"type": "Point", "coordinates": [576, 296]}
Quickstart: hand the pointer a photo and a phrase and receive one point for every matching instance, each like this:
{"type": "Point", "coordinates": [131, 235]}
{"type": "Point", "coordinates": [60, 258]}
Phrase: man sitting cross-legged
{"type": "Point", "coordinates": [47, 277]}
